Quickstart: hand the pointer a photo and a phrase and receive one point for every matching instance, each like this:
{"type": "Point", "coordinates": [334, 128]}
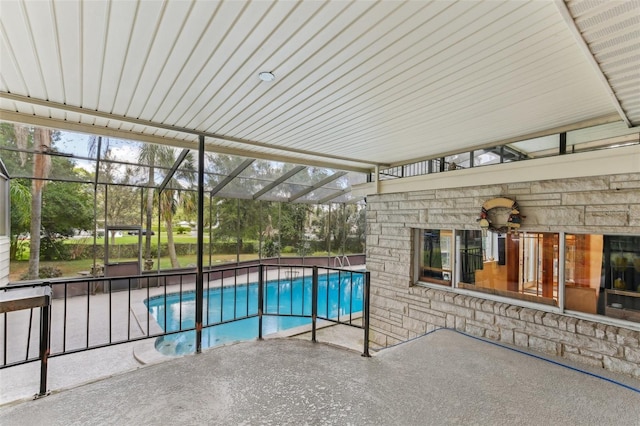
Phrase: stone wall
{"type": "Point", "coordinates": [400, 310]}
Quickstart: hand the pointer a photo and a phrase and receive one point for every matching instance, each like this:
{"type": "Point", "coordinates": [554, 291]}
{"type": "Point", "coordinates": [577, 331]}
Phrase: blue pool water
{"type": "Point", "coordinates": [285, 304]}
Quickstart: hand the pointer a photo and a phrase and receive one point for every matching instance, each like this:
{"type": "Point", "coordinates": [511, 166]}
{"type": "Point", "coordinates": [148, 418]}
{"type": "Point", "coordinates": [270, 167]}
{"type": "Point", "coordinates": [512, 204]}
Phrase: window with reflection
{"type": "Point", "coordinates": [4, 205]}
{"type": "Point", "coordinates": [602, 275]}
{"type": "Point", "coordinates": [521, 265]}
{"type": "Point", "coordinates": [435, 256]}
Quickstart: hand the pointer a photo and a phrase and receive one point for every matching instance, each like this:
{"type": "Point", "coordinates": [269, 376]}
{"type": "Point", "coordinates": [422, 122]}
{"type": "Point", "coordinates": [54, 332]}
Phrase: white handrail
{"type": "Point", "coordinates": [341, 261]}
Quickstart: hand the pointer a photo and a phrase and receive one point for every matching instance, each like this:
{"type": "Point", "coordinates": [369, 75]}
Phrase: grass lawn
{"type": "Point", "coordinates": [71, 268]}
{"type": "Point", "coordinates": [133, 239]}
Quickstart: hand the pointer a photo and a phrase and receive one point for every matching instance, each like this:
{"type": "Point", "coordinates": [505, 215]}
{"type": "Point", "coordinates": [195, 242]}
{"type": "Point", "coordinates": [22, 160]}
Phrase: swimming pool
{"type": "Point", "coordinates": [232, 310]}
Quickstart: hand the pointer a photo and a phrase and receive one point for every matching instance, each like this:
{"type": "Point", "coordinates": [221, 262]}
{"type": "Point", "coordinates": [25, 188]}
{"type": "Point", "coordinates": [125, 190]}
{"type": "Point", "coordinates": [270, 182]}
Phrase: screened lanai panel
{"type": "Point", "coordinates": [242, 188]}
{"type": "Point", "coordinates": [356, 178]}
{"type": "Point", "coordinates": [122, 150]}
{"type": "Point", "coordinates": [221, 164]}
{"type": "Point", "coordinates": [64, 168]}
{"type": "Point", "coordinates": [267, 170]}
{"type": "Point", "coordinates": [318, 194]}
{"type": "Point", "coordinates": [118, 173]}
{"type": "Point", "coordinates": [603, 132]}
{"type": "Point", "coordinates": [536, 145]}
{"type": "Point", "coordinates": [76, 145]}
{"type": "Point", "coordinates": [211, 180]}
{"type": "Point", "coordinates": [347, 180]}
{"type": "Point", "coordinates": [348, 198]}
{"type": "Point", "coordinates": [311, 176]}
{"type": "Point", "coordinates": [19, 164]}
{"type": "Point", "coordinates": [283, 192]}
{"type": "Point", "coordinates": [181, 171]}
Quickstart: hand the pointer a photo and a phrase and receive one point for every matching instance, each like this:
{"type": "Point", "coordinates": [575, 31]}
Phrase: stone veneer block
{"type": "Point", "coordinates": [634, 215]}
{"type": "Point", "coordinates": [507, 336]}
{"type": "Point", "coordinates": [625, 196]}
{"type": "Point", "coordinates": [620, 366]}
{"type": "Point", "coordinates": [521, 339]}
{"type": "Point", "coordinates": [555, 216]}
{"type": "Point", "coordinates": [583, 360]}
{"type": "Point", "coordinates": [632, 355]}
{"type": "Point", "coordinates": [571, 185]}
{"type": "Point", "coordinates": [543, 345]}
{"type": "Point", "coordinates": [586, 327]}
{"type": "Point", "coordinates": [609, 218]}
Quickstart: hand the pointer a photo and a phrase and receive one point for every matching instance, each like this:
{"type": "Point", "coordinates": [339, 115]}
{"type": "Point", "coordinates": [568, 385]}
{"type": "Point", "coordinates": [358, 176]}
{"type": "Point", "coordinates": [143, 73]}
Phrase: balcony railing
{"type": "Point", "coordinates": [41, 320]}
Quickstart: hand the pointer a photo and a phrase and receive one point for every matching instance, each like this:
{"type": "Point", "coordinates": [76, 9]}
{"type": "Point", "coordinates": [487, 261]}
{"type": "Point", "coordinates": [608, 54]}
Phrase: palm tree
{"type": "Point", "coordinates": [153, 156]}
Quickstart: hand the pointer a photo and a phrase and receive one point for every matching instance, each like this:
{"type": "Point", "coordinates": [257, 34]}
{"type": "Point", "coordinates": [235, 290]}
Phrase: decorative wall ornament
{"type": "Point", "coordinates": [500, 215]}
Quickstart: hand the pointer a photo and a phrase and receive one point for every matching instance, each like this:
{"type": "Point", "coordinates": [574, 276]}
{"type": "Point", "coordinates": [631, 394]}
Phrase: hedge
{"type": "Point", "coordinates": [85, 251]}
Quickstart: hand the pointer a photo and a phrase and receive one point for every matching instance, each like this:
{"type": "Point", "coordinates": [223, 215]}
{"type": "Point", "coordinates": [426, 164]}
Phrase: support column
{"type": "Point", "coordinates": [200, 246]}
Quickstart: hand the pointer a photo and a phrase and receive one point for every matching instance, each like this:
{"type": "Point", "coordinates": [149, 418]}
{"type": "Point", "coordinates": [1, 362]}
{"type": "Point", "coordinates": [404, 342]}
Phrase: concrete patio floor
{"type": "Point", "coordinates": [442, 378]}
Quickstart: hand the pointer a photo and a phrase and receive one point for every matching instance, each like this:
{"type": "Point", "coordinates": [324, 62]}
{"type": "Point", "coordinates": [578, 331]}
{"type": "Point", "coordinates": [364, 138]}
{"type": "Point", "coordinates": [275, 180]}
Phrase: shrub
{"type": "Point", "coordinates": [45, 272]}
{"type": "Point", "coordinates": [271, 248]}
{"type": "Point", "coordinates": [304, 248]}
{"type": "Point", "coordinates": [53, 248]}
{"type": "Point", "coordinates": [183, 230]}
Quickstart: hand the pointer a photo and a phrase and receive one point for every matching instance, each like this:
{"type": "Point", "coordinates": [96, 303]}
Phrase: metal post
{"type": "Point", "coordinates": [329, 238]}
{"type": "Point", "coordinates": [260, 298]}
{"type": "Point", "coordinates": [261, 233]}
{"type": "Point", "coordinates": [563, 143]}
{"type": "Point", "coordinates": [44, 347]}
{"type": "Point", "coordinates": [314, 303]}
{"type": "Point", "coordinates": [200, 246]}
{"type": "Point", "coordinates": [238, 236]}
{"type": "Point", "coordinates": [210, 229]}
{"type": "Point", "coordinates": [365, 307]}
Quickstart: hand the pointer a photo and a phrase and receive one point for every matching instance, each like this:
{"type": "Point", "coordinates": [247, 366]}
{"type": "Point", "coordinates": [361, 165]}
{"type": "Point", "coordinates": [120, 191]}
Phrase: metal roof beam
{"type": "Point", "coordinates": [584, 47]}
{"type": "Point", "coordinates": [231, 176]}
{"type": "Point", "coordinates": [140, 122]}
{"type": "Point", "coordinates": [33, 120]}
{"type": "Point", "coordinates": [98, 153]}
{"type": "Point", "coordinates": [317, 185]}
{"type": "Point", "coordinates": [173, 170]}
{"type": "Point", "coordinates": [278, 181]}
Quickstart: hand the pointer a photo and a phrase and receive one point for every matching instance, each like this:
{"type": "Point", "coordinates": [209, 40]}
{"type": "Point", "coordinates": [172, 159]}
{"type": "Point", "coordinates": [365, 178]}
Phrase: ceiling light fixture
{"type": "Point", "coordinates": [266, 76]}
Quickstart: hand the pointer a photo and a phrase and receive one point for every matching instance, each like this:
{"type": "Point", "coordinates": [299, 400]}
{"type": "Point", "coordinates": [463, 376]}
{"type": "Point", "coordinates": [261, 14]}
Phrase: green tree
{"type": "Point", "coordinates": [66, 207]}
{"type": "Point", "coordinates": [293, 223]}
{"type": "Point", "coordinates": [122, 200]}
{"type": "Point", "coordinates": [20, 194]}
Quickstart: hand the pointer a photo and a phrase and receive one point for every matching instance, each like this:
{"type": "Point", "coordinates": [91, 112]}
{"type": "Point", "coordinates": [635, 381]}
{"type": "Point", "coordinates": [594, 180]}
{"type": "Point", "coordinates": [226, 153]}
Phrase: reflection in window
{"type": "Point", "coordinates": [435, 256]}
{"type": "Point", "coordinates": [4, 205]}
{"type": "Point", "coordinates": [602, 275]}
{"type": "Point", "coordinates": [521, 265]}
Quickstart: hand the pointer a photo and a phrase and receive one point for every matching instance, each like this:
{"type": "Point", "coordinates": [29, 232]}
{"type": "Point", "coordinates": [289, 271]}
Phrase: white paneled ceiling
{"type": "Point", "coordinates": [358, 83]}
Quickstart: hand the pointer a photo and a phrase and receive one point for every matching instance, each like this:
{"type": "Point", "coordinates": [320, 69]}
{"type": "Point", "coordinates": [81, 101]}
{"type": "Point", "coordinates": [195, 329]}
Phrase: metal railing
{"type": "Point", "coordinates": [90, 313]}
{"type": "Point", "coordinates": [341, 261]}
{"type": "Point", "coordinates": [471, 261]}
